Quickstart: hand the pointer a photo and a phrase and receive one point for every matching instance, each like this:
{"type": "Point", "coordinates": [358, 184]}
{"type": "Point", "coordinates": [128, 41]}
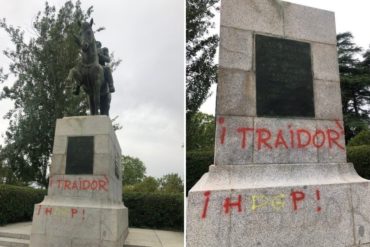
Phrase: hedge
{"type": "Point", "coordinates": [360, 157]}
{"type": "Point", "coordinates": [155, 210]}
{"type": "Point", "coordinates": [197, 163]}
{"type": "Point", "coordinates": [160, 211]}
{"type": "Point", "coordinates": [362, 138]}
{"type": "Point", "coordinates": [16, 203]}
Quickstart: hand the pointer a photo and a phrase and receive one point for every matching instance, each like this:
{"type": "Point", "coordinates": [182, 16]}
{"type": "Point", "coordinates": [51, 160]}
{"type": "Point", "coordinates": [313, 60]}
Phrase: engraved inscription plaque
{"type": "Point", "coordinates": [284, 79]}
{"type": "Point", "coordinates": [80, 155]}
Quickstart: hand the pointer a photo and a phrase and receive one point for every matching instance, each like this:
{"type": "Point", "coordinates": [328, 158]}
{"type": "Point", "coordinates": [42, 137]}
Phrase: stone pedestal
{"type": "Point", "coordinates": [84, 202]}
{"type": "Point", "coordinates": [280, 175]}
{"type": "Point", "coordinates": [280, 205]}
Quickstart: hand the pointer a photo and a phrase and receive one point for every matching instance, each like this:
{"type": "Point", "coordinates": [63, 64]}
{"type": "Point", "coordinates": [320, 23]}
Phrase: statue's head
{"type": "Point", "coordinates": [86, 35]}
{"type": "Point", "coordinates": [98, 44]}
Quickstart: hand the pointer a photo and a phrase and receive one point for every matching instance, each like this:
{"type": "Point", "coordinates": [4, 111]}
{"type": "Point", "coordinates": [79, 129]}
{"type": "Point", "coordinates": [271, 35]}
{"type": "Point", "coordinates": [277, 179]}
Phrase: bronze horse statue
{"type": "Point", "coordinates": [88, 73]}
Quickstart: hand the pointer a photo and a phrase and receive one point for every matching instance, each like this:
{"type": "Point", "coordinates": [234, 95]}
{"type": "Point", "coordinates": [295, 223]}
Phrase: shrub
{"type": "Point", "coordinates": [17, 203]}
{"type": "Point", "coordinates": [197, 163]}
{"type": "Point", "coordinates": [363, 138]}
{"type": "Point", "coordinates": [146, 210]}
{"type": "Point", "coordinates": [155, 210]}
{"type": "Point", "coordinates": [360, 157]}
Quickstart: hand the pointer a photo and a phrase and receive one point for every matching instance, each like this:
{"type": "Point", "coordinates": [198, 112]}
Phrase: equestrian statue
{"type": "Point", "coordinates": [91, 73]}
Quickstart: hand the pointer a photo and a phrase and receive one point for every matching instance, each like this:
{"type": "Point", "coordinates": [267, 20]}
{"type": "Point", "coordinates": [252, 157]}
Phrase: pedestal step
{"type": "Point", "coordinates": [14, 242]}
{"type": "Point", "coordinates": [14, 235]}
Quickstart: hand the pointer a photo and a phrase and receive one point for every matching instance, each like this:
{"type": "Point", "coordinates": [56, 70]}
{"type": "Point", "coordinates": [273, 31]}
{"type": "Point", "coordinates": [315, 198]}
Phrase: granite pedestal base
{"type": "Point", "coordinates": [285, 205]}
{"type": "Point", "coordinates": [79, 223]}
{"type": "Point", "coordinates": [84, 205]}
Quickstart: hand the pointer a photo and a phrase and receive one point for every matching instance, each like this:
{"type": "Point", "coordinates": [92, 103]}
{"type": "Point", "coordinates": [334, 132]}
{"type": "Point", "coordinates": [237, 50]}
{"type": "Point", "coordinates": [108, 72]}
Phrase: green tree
{"type": "Point", "coordinates": [201, 132]}
{"type": "Point", "coordinates": [148, 185]}
{"type": "Point", "coordinates": [39, 92]}
{"type": "Point", "coordinates": [133, 170]}
{"type": "Point", "coordinates": [171, 183]}
{"type": "Point", "coordinates": [200, 52]}
{"type": "Point", "coordinates": [355, 82]}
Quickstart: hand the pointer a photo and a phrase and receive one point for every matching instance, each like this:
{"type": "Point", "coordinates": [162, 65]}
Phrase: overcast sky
{"type": "Point", "coordinates": [352, 16]}
{"type": "Point", "coordinates": [148, 35]}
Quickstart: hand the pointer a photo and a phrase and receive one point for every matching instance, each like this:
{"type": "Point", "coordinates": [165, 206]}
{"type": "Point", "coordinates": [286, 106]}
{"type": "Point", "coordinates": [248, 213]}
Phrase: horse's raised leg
{"type": "Point", "coordinates": [74, 77]}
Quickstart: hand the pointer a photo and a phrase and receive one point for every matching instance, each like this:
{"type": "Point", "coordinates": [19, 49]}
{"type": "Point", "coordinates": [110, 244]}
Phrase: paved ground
{"type": "Point", "coordinates": [136, 237]}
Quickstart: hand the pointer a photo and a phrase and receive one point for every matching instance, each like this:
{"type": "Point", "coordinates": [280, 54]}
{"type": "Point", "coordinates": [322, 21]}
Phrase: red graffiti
{"type": "Point", "coordinates": [205, 208]}
{"type": "Point", "coordinates": [228, 204]}
{"type": "Point", "coordinates": [48, 211]}
{"type": "Point", "coordinates": [333, 139]}
{"type": "Point", "coordinates": [300, 134]}
{"type": "Point", "coordinates": [318, 209]}
{"type": "Point", "coordinates": [221, 121]}
{"type": "Point", "coordinates": [259, 201]}
{"type": "Point", "coordinates": [299, 138]}
{"type": "Point", "coordinates": [74, 211]}
{"type": "Point", "coordinates": [280, 140]}
{"type": "Point", "coordinates": [61, 212]}
{"type": "Point", "coordinates": [339, 126]}
{"type": "Point", "coordinates": [81, 184]}
{"type": "Point", "coordinates": [296, 197]}
{"type": "Point", "coordinates": [262, 139]}
{"type": "Point", "coordinates": [315, 138]}
{"type": "Point", "coordinates": [244, 134]}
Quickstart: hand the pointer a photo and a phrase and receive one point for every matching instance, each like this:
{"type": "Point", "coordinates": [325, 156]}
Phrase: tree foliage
{"type": "Point", "coordinates": [171, 183]}
{"type": "Point", "coordinates": [355, 84]}
{"type": "Point", "coordinates": [39, 92]}
{"type": "Point", "coordinates": [133, 171]}
{"type": "Point", "coordinates": [148, 185]}
{"type": "Point", "coordinates": [200, 132]}
{"type": "Point", "coordinates": [200, 52]}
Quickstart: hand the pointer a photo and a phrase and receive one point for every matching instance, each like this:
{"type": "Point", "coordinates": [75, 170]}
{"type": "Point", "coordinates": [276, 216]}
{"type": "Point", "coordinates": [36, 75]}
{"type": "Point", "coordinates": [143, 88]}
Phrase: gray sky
{"type": "Point", "coordinates": [350, 16]}
{"type": "Point", "coordinates": [149, 100]}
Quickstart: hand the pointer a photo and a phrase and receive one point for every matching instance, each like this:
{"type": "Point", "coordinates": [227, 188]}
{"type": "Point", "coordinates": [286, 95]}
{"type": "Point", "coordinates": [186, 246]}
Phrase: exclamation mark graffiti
{"type": "Point", "coordinates": [221, 121]}
{"type": "Point", "coordinates": [83, 214]}
{"type": "Point", "coordinates": [318, 209]}
{"type": "Point", "coordinates": [205, 208]}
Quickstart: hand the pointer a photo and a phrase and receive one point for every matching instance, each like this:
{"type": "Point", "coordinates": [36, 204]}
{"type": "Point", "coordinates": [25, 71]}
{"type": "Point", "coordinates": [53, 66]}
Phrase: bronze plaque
{"type": "Point", "coordinates": [80, 155]}
{"type": "Point", "coordinates": [284, 80]}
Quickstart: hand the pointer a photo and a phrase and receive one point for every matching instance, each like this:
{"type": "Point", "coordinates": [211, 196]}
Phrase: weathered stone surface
{"type": "Point", "coordinates": [76, 126]}
{"type": "Point", "coordinates": [236, 93]}
{"type": "Point", "coordinates": [305, 23]}
{"type": "Point", "coordinates": [278, 181]}
{"type": "Point", "coordinates": [334, 148]}
{"type": "Point", "coordinates": [211, 227]}
{"type": "Point", "coordinates": [103, 144]}
{"type": "Point", "coordinates": [255, 15]}
{"type": "Point", "coordinates": [102, 188]}
{"type": "Point", "coordinates": [274, 205]}
{"type": "Point", "coordinates": [361, 211]}
{"type": "Point", "coordinates": [60, 145]}
{"type": "Point", "coordinates": [246, 140]}
{"type": "Point", "coordinates": [290, 141]}
{"type": "Point", "coordinates": [59, 164]}
{"type": "Point", "coordinates": [89, 224]}
{"type": "Point", "coordinates": [236, 49]}
{"type": "Point", "coordinates": [229, 147]}
{"type": "Point", "coordinates": [325, 62]}
{"type": "Point", "coordinates": [83, 210]}
{"type": "Point", "coordinates": [328, 103]}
